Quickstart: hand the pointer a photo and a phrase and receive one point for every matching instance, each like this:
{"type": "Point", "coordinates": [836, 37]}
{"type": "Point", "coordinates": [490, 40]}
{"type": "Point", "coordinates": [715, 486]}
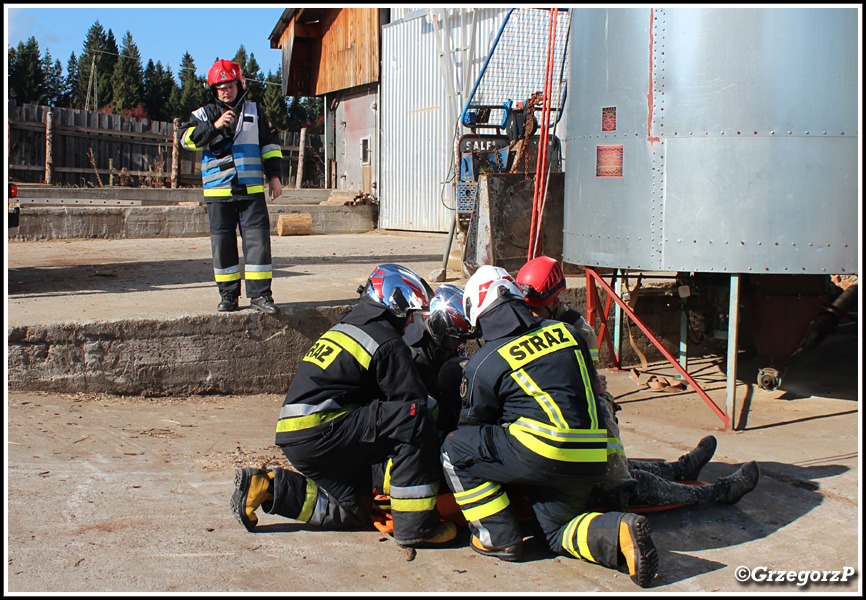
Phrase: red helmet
{"type": "Point", "coordinates": [541, 280]}
{"type": "Point", "coordinates": [225, 70]}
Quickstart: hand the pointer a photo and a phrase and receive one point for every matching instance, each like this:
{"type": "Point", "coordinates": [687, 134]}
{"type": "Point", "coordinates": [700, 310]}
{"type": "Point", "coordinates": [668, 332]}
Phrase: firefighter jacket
{"type": "Point", "coordinates": [234, 164]}
{"type": "Point", "coordinates": [572, 316]}
{"type": "Point", "coordinates": [362, 359]}
{"type": "Point", "coordinates": [537, 383]}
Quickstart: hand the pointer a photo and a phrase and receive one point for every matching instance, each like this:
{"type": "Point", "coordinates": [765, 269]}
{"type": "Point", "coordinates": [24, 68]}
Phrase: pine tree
{"type": "Point", "coordinates": [91, 56]}
{"type": "Point", "coordinates": [241, 59]}
{"type": "Point", "coordinates": [274, 103]}
{"type": "Point", "coordinates": [69, 96]}
{"type": "Point", "coordinates": [26, 78]}
{"type": "Point", "coordinates": [11, 68]}
{"type": "Point", "coordinates": [315, 110]}
{"type": "Point", "coordinates": [297, 116]}
{"type": "Point", "coordinates": [193, 91]}
{"type": "Point", "coordinates": [158, 87]}
{"type": "Point", "coordinates": [126, 81]}
{"type": "Point", "coordinates": [52, 72]}
{"type": "Point", "coordinates": [109, 58]}
{"type": "Point", "coordinates": [254, 77]}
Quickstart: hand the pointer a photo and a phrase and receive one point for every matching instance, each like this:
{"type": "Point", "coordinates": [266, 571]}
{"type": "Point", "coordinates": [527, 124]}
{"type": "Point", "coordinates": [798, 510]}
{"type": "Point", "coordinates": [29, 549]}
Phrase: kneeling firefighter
{"type": "Point", "coordinates": [356, 401]}
{"type": "Point", "coordinates": [529, 417]}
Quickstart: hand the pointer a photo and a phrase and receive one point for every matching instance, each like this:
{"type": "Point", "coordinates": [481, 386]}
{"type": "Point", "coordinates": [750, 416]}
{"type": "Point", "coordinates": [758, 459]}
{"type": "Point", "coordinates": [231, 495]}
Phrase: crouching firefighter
{"type": "Point", "coordinates": [356, 401]}
{"type": "Point", "coordinates": [529, 417]}
{"type": "Point", "coordinates": [239, 148]}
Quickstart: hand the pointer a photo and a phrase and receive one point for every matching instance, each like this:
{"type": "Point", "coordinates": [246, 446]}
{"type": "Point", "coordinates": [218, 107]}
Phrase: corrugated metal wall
{"type": "Point", "coordinates": [416, 149]}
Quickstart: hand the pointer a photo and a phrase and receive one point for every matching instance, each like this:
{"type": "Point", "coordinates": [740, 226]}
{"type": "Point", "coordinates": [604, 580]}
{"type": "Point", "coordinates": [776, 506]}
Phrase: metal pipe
{"type": "Point", "coordinates": [733, 321]}
{"type": "Point", "coordinates": [725, 418]}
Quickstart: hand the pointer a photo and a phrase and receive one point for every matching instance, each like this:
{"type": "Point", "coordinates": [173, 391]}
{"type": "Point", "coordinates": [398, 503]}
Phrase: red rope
{"type": "Point", "coordinates": [544, 135]}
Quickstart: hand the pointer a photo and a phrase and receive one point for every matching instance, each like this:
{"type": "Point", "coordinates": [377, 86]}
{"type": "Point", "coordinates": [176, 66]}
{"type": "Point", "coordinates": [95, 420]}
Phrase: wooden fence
{"type": "Point", "coordinates": [69, 147]}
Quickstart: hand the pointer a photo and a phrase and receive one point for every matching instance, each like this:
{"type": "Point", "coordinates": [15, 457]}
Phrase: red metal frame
{"type": "Point", "coordinates": [593, 304]}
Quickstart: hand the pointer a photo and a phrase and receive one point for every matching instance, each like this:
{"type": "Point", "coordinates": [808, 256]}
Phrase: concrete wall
{"type": "Point", "coordinates": [231, 353]}
{"type": "Point", "coordinates": [133, 222]}
{"type": "Point", "coordinates": [228, 353]}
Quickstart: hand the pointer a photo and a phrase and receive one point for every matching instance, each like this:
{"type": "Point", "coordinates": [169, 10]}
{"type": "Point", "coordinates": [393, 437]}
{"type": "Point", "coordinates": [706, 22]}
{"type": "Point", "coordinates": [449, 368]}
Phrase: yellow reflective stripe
{"type": "Point", "coordinates": [217, 192]}
{"type": "Point", "coordinates": [309, 502]}
{"type": "Point", "coordinates": [258, 274]}
{"type": "Point", "coordinates": [387, 483]}
{"type": "Point", "coordinates": [543, 398]}
{"type": "Point", "coordinates": [582, 529]}
{"type": "Point", "coordinates": [587, 386]}
{"type": "Point", "coordinates": [476, 493]}
{"type": "Point", "coordinates": [350, 345]}
{"type": "Point", "coordinates": [413, 504]}
{"type": "Point", "coordinates": [255, 189]}
{"type": "Point", "coordinates": [272, 154]}
{"type": "Point", "coordinates": [227, 276]}
{"type": "Point", "coordinates": [560, 435]}
{"type": "Point", "coordinates": [485, 510]}
{"type": "Point", "coordinates": [187, 140]}
{"type": "Point", "coordinates": [568, 536]}
{"type": "Point", "coordinates": [535, 344]}
{"type": "Point", "coordinates": [298, 423]}
{"type": "Point", "coordinates": [593, 353]}
{"type": "Point", "coordinates": [588, 455]}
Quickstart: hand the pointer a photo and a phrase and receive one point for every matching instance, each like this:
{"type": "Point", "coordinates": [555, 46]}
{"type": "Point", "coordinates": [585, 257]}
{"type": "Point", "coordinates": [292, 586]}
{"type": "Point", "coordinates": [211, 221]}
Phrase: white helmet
{"type": "Point", "coordinates": [397, 289]}
{"type": "Point", "coordinates": [488, 287]}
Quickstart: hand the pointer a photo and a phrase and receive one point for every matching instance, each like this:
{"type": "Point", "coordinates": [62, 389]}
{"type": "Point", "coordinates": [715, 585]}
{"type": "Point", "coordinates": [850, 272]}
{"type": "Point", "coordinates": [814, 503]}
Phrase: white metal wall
{"type": "Point", "coordinates": [416, 150]}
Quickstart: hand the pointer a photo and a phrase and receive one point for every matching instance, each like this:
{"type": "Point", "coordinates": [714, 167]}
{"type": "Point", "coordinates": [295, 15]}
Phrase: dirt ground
{"type": "Point", "coordinates": [131, 495]}
{"type": "Point", "coordinates": [112, 495]}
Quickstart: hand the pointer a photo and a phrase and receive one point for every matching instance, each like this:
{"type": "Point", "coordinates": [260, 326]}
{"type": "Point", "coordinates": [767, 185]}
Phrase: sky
{"type": "Point", "coordinates": [162, 32]}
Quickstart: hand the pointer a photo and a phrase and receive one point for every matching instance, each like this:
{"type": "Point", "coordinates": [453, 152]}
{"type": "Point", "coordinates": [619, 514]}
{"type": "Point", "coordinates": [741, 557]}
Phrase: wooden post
{"type": "Point", "coordinates": [49, 146]}
{"type": "Point", "coordinates": [175, 154]}
{"type": "Point", "coordinates": [110, 172]}
{"type": "Point", "coordinates": [301, 146]}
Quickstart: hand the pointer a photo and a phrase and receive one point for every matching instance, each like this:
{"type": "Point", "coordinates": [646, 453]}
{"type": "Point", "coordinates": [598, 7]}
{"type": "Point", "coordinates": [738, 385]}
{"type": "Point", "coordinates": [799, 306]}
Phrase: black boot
{"type": "Point", "coordinates": [253, 487]}
{"type": "Point", "coordinates": [265, 304]}
{"type": "Point", "coordinates": [689, 465]}
{"type": "Point", "coordinates": [228, 304]}
{"type": "Point", "coordinates": [739, 483]}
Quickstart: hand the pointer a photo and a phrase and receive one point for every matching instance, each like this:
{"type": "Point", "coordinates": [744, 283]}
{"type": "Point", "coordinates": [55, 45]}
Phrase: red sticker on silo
{"type": "Point", "coordinates": [608, 161]}
{"type": "Point", "coordinates": [608, 119]}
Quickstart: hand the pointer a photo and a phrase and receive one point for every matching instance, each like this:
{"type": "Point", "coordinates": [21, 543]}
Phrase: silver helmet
{"type": "Point", "coordinates": [397, 289]}
{"type": "Point", "coordinates": [446, 317]}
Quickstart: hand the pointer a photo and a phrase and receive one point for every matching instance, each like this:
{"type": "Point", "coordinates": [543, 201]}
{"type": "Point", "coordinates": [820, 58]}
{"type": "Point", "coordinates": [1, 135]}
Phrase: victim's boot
{"type": "Point", "coordinates": [689, 465]}
{"type": "Point", "coordinates": [739, 483]}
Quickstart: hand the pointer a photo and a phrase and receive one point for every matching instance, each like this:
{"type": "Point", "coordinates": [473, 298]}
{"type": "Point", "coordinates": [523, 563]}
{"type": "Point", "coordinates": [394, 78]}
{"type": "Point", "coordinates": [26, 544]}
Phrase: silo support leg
{"type": "Point", "coordinates": [733, 320]}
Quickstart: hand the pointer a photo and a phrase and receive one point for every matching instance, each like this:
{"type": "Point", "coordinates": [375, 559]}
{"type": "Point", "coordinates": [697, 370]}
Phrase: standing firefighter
{"type": "Point", "coordinates": [530, 418]}
{"type": "Point", "coordinates": [357, 401]}
{"type": "Point", "coordinates": [239, 148]}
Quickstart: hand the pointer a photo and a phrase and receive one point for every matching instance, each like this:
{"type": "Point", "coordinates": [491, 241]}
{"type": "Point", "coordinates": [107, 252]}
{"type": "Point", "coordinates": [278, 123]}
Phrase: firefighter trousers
{"type": "Point", "coordinates": [334, 490]}
{"type": "Point", "coordinates": [252, 219]}
{"type": "Point", "coordinates": [478, 462]}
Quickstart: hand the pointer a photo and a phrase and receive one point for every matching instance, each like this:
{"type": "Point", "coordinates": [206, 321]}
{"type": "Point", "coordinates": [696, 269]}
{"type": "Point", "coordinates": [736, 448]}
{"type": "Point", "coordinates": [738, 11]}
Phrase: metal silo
{"type": "Point", "coordinates": [714, 140]}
